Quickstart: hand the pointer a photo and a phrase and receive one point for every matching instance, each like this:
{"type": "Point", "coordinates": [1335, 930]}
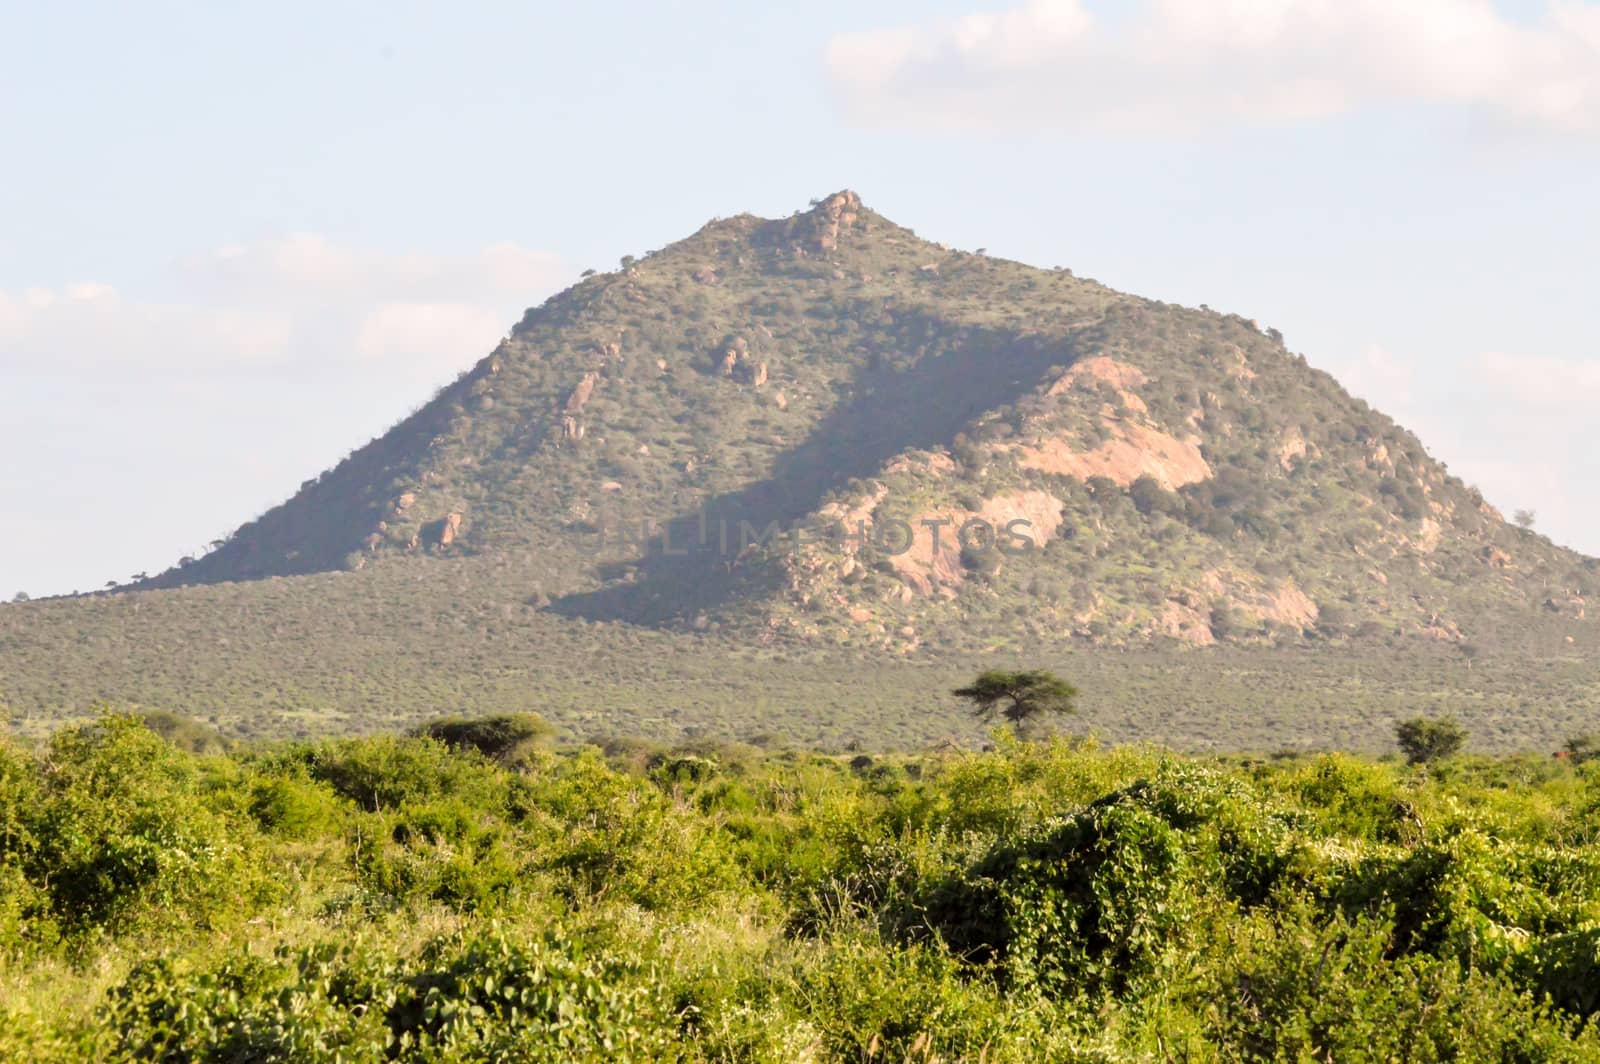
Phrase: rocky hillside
{"type": "Point", "coordinates": [951, 449]}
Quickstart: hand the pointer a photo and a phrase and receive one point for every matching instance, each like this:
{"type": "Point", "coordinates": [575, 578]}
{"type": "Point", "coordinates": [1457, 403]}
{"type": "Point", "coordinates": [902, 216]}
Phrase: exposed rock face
{"type": "Point", "coordinates": [1188, 615]}
{"type": "Point", "coordinates": [404, 503]}
{"type": "Point", "coordinates": [1497, 558]}
{"type": "Point", "coordinates": [935, 462]}
{"type": "Point", "coordinates": [1135, 449]}
{"type": "Point", "coordinates": [930, 566]}
{"type": "Point", "coordinates": [853, 517]}
{"type": "Point", "coordinates": [1291, 449]}
{"type": "Point", "coordinates": [839, 211]}
{"type": "Point", "coordinates": [1105, 368]}
{"type": "Point", "coordinates": [580, 394]}
{"type": "Point", "coordinates": [1429, 535]}
{"type": "Point", "coordinates": [1288, 605]}
{"type": "Point", "coordinates": [1444, 633]}
{"type": "Point", "coordinates": [737, 363]}
{"type": "Point", "coordinates": [1187, 623]}
{"type": "Point", "coordinates": [1237, 363]}
{"type": "Point", "coordinates": [1134, 452]}
{"type": "Point", "coordinates": [572, 409]}
{"type": "Point", "coordinates": [1121, 376]}
{"type": "Point", "coordinates": [450, 530]}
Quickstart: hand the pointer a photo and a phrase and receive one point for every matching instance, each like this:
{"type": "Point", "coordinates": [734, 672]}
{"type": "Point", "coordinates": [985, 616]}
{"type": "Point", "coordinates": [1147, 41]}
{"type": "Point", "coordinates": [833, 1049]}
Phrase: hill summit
{"type": "Point", "coordinates": [825, 428]}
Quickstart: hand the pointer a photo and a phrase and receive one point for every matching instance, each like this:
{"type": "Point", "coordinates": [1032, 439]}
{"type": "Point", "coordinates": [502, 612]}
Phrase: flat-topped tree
{"type": "Point", "coordinates": [1019, 698]}
{"type": "Point", "coordinates": [1424, 741]}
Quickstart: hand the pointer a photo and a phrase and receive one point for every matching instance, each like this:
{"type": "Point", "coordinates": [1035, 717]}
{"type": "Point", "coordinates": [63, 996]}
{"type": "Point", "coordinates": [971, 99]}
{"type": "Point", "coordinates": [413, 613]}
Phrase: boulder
{"type": "Point", "coordinates": [450, 530]}
{"type": "Point", "coordinates": [581, 393]}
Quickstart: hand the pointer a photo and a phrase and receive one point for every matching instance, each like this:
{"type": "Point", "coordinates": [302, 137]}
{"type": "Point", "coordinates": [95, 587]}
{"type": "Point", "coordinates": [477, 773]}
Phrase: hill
{"type": "Point", "coordinates": [826, 433]}
{"type": "Point", "coordinates": [1181, 473]}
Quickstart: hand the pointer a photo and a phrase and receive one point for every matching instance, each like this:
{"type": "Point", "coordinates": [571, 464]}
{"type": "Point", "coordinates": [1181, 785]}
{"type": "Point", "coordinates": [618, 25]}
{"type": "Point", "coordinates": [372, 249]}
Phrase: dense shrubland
{"type": "Point", "coordinates": [473, 893]}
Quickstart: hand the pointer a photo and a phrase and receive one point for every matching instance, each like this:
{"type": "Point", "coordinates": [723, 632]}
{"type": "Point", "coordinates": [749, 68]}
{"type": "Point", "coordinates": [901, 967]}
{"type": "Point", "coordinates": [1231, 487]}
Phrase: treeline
{"type": "Point", "coordinates": [472, 892]}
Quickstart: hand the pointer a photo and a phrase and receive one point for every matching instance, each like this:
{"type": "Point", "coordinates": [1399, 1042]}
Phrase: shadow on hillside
{"type": "Point", "coordinates": [891, 411]}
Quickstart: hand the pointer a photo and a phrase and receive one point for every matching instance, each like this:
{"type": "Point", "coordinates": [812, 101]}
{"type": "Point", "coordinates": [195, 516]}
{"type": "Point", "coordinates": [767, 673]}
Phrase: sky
{"type": "Point", "coordinates": [238, 241]}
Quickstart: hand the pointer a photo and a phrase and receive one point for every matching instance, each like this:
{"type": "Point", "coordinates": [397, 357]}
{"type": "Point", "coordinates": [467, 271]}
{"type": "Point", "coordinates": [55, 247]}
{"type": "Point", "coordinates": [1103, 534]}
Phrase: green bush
{"type": "Point", "coordinates": [123, 834]}
{"type": "Point", "coordinates": [1565, 969]}
{"type": "Point", "coordinates": [1301, 988]}
{"type": "Point", "coordinates": [396, 899]}
{"type": "Point", "coordinates": [1094, 903]}
{"type": "Point", "coordinates": [509, 738]}
{"type": "Point", "coordinates": [385, 773]}
{"type": "Point", "coordinates": [186, 734]}
{"type": "Point", "coordinates": [294, 806]}
{"type": "Point", "coordinates": [493, 999]}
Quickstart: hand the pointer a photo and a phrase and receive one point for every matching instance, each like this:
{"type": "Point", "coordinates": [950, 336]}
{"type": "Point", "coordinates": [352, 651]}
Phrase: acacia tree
{"type": "Point", "coordinates": [1425, 741]}
{"type": "Point", "coordinates": [1020, 698]}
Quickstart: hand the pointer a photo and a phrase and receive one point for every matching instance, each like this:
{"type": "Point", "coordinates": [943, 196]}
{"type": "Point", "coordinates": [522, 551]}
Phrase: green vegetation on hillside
{"type": "Point", "coordinates": [400, 898]}
{"type": "Point", "coordinates": [1185, 478]}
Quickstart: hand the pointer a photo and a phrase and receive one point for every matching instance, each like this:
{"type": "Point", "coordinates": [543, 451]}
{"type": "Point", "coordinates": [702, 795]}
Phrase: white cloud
{"type": "Point", "coordinates": [414, 330]}
{"type": "Point", "coordinates": [214, 390]}
{"type": "Point", "coordinates": [1543, 384]}
{"type": "Point", "coordinates": [318, 269]}
{"type": "Point", "coordinates": [1377, 372]}
{"type": "Point", "coordinates": [1181, 65]}
{"type": "Point", "coordinates": [298, 300]}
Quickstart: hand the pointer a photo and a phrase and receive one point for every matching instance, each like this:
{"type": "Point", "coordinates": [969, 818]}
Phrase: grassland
{"type": "Point", "coordinates": [277, 660]}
